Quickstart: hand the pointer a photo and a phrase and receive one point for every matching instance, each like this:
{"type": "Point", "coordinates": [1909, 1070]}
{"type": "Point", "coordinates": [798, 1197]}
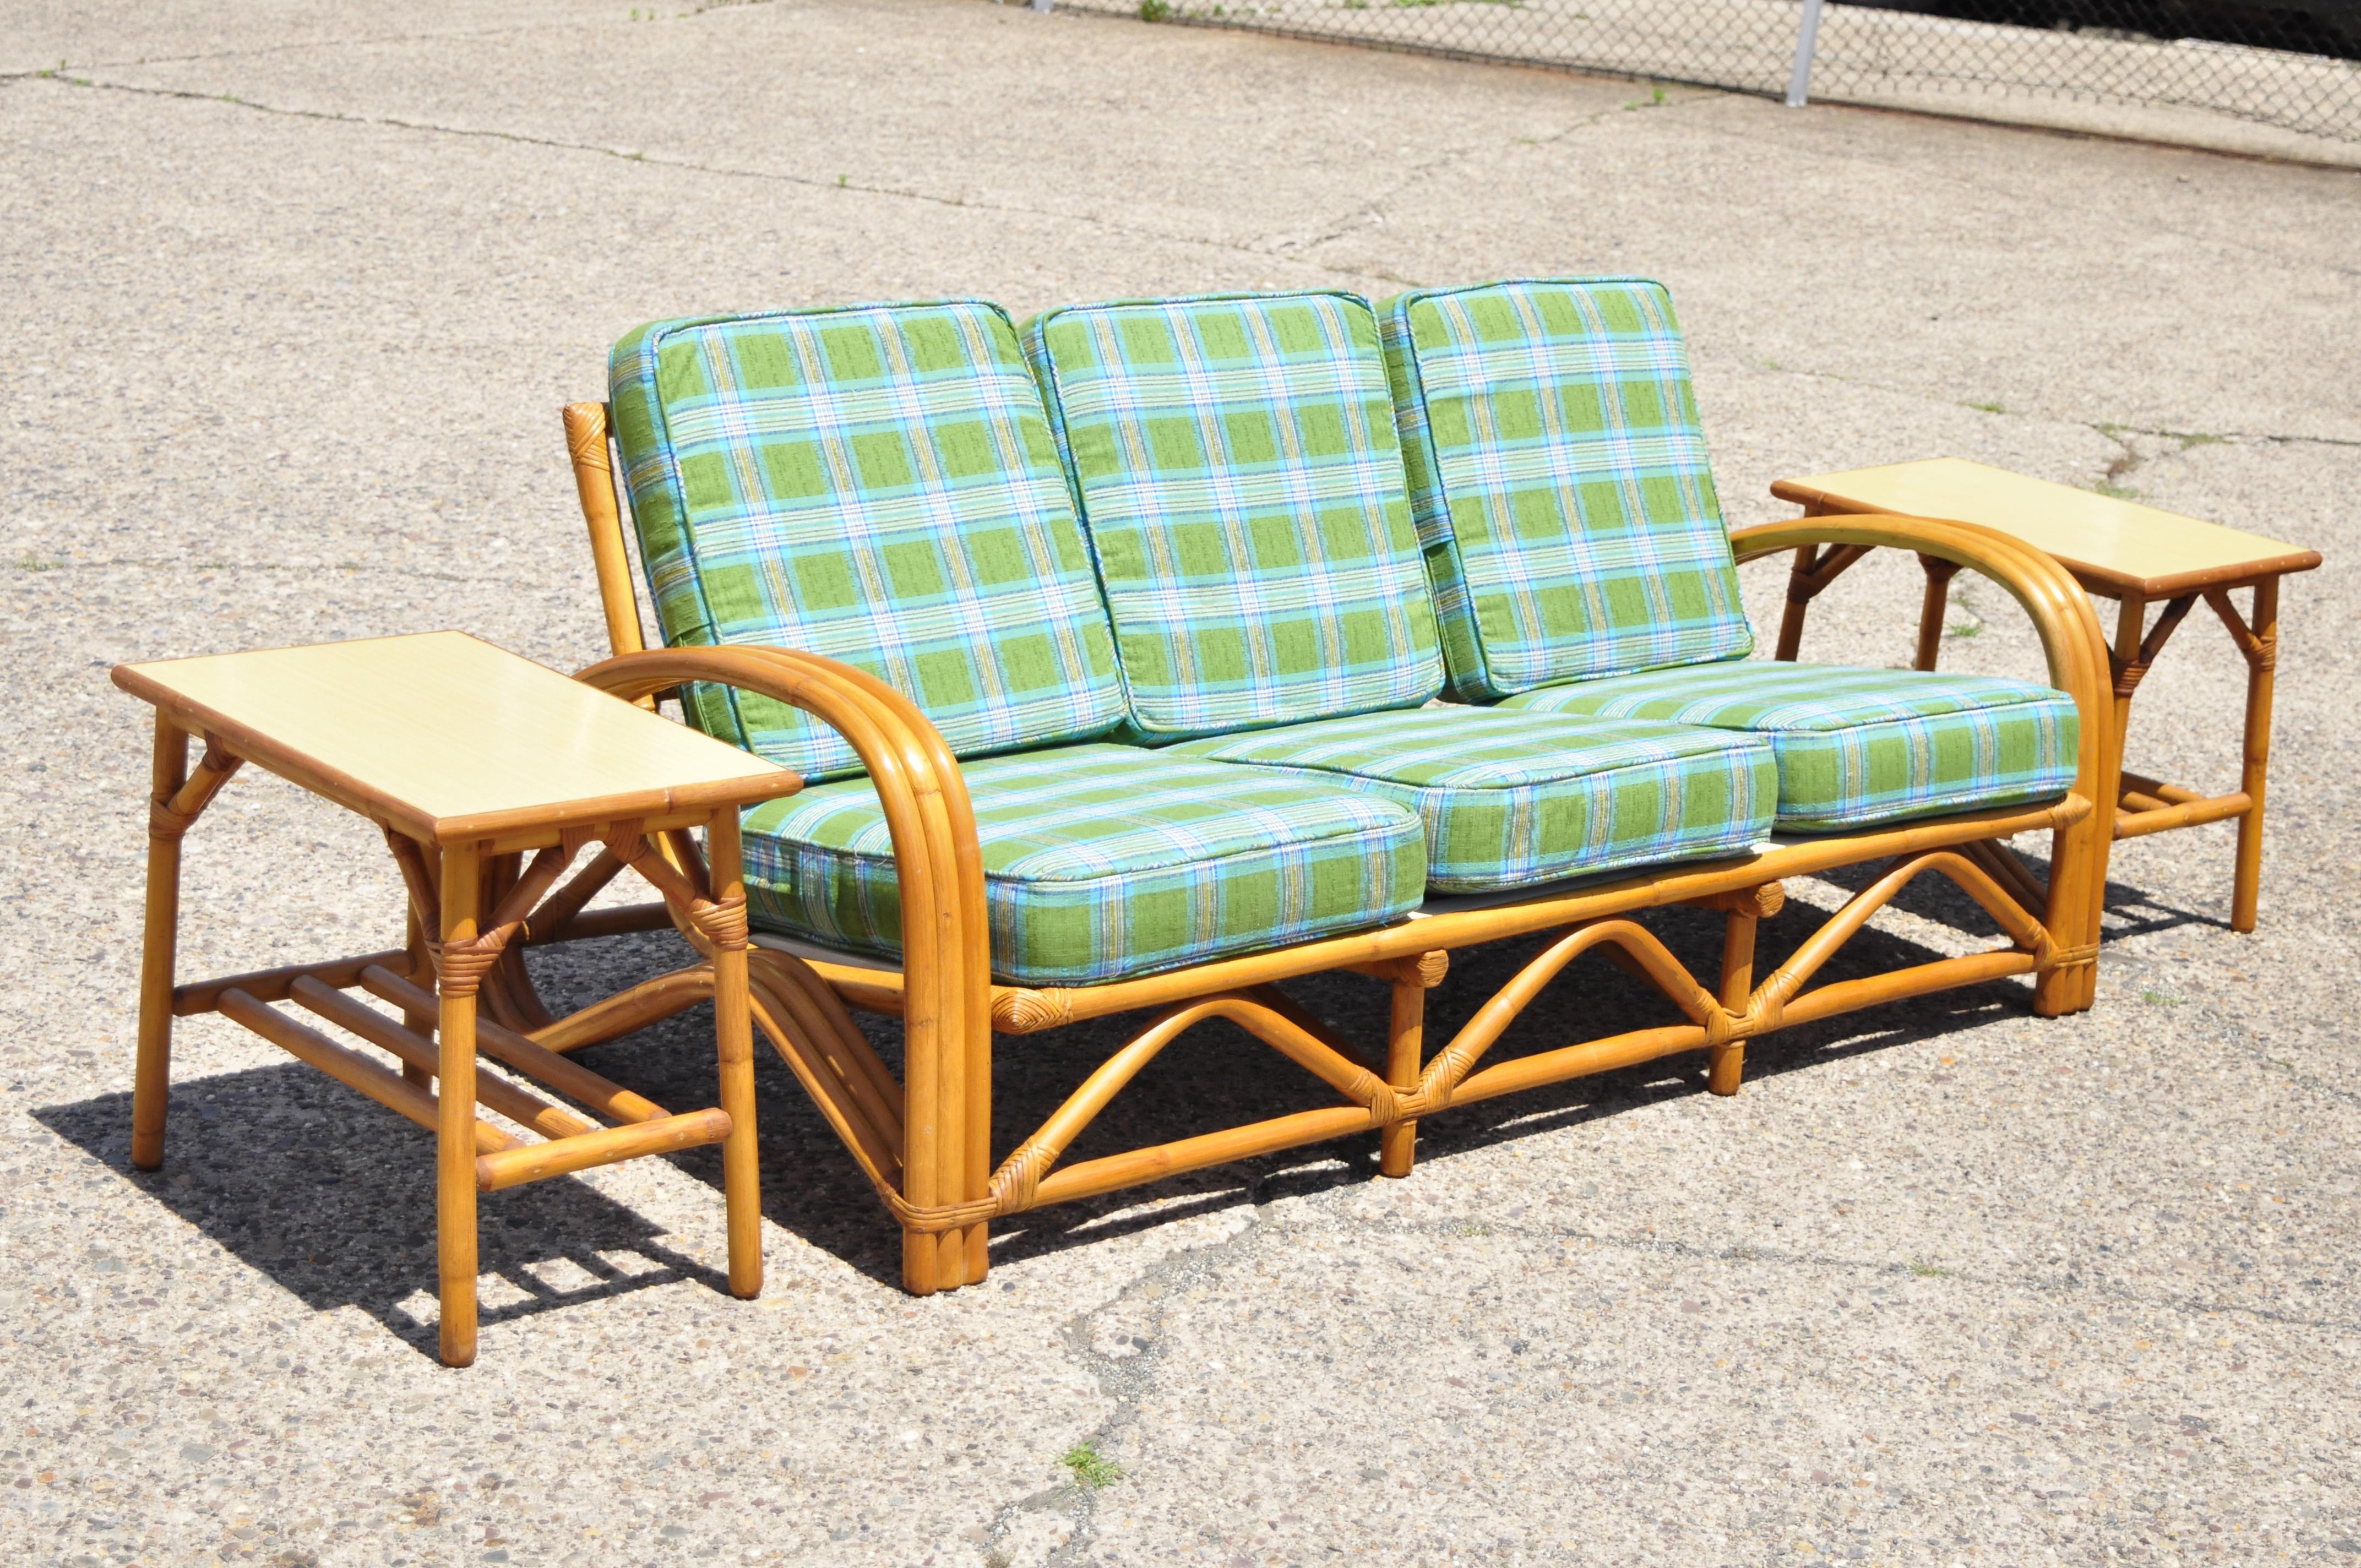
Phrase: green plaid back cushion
{"type": "Point", "coordinates": [1101, 862]}
{"type": "Point", "coordinates": [1858, 746]}
{"type": "Point", "coordinates": [1520, 799]}
{"type": "Point", "coordinates": [1560, 482]}
{"type": "Point", "coordinates": [877, 484]}
{"type": "Point", "coordinates": [1241, 480]}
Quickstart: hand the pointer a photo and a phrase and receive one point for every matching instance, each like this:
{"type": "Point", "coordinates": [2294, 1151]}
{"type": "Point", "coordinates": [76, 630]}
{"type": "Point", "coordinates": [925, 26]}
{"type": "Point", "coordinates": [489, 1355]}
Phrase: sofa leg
{"type": "Point", "coordinates": [920, 1251]}
{"type": "Point", "coordinates": [2078, 883]}
{"type": "Point", "coordinates": [1405, 1050]}
{"type": "Point", "coordinates": [946, 1098]}
{"type": "Point", "coordinates": [943, 1260]}
{"type": "Point", "coordinates": [1727, 1062]}
{"type": "Point", "coordinates": [937, 1167]}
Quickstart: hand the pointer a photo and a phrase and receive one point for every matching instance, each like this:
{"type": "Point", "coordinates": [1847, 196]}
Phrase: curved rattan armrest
{"type": "Point", "coordinates": [2070, 639]}
{"type": "Point", "coordinates": [946, 955]}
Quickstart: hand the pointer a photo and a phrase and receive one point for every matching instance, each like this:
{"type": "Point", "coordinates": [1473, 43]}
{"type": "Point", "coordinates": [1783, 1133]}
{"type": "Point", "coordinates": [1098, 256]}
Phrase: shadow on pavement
{"type": "Point", "coordinates": [333, 1199]}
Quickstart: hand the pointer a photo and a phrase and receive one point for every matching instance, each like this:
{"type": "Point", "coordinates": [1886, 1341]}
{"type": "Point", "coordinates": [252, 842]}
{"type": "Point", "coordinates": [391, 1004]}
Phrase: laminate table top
{"type": "Point", "coordinates": [2117, 548]}
{"type": "Point", "coordinates": [449, 738]}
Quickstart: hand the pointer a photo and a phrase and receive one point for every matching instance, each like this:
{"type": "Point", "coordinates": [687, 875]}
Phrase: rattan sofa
{"type": "Point", "coordinates": [1166, 651]}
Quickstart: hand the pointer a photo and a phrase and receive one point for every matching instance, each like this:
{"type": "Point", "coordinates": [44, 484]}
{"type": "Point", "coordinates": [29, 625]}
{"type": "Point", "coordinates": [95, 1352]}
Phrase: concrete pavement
{"type": "Point", "coordinates": [292, 296]}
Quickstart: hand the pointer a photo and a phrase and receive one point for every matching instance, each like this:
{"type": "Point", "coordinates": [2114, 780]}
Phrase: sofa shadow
{"type": "Point", "coordinates": [1590, 999]}
{"type": "Point", "coordinates": [334, 1200]}
{"type": "Point", "coordinates": [1218, 1076]}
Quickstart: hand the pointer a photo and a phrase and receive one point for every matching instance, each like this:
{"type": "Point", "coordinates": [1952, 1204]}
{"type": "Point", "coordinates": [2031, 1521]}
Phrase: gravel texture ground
{"type": "Point", "coordinates": [291, 294]}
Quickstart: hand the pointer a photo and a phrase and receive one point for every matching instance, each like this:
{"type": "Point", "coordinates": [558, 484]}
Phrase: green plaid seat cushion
{"type": "Point", "coordinates": [1101, 862]}
{"type": "Point", "coordinates": [1241, 483]}
{"type": "Point", "coordinates": [877, 484]}
{"type": "Point", "coordinates": [1560, 483]}
{"type": "Point", "coordinates": [1515, 799]}
{"type": "Point", "coordinates": [1857, 747]}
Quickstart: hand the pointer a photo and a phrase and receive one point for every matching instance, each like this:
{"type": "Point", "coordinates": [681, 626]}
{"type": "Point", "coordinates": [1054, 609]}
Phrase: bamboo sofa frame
{"type": "Point", "coordinates": [924, 1142]}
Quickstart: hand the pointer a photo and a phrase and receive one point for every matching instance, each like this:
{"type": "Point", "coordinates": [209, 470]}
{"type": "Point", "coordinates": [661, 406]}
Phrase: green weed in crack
{"type": "Point", "coordinates": [1973, 626]}
{"type": "Point", "coordinates": [2111, 483]}
{"type": "Point", "coordinates": [1089, 1468]}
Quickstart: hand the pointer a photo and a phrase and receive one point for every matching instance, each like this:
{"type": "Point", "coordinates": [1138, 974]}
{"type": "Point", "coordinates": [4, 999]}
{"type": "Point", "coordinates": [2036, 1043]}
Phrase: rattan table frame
{"type": "Point", "coordinates": [1995, 498]}
{"type": "Point", "coordinates": [479, 887]}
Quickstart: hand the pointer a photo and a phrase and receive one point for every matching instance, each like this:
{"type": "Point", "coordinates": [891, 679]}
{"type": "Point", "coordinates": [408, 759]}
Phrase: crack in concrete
{"type": "Point", "coordinates": [28, 566]}
{"type": "Point", "coordinates": [1300, 250]}
{"type": "Point", "coordinates": [2112, 430]}
{"type": "Point", "coordinates": [1370, 212]}
{"type": "Point", "coordinates": [2189, 438]}
{"type": "Point", "coordinates": [1128, 1380]}
{"type": "Point", "coordinates": [2128, 456]}
{"type": "Point", "coordinates": [632, 155]}
{"type": "Point", "coordinates": [544, 25]}
{"type": "Point", "coordinates": [1959, 171]}
{"type": "Point", "coordinates": [1745, 1252]}
{"type": "Point", "coordinates": [1125, 1379]}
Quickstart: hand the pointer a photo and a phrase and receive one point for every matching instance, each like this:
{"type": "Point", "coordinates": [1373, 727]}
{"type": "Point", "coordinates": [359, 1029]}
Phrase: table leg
{"type": "Point", "coordinates": [2131, 622]}
{"type": "Point", "coordinates": [1814, 570]}
{"type": "Point", "coordinates": [741, 1183]}
{"type": "Point", "coordinates": [421, 972]}
{"type": "Point", "coordinates": [2261, 649]}
{"type": "Point", "coordinates": [1931, 609]}
{"type": "Point", "coordinates": [1800, 601]}
{"type": "Point", "coordinates": [151, 1074]}
{"type": "Point", "coordinates": [454, 1132]}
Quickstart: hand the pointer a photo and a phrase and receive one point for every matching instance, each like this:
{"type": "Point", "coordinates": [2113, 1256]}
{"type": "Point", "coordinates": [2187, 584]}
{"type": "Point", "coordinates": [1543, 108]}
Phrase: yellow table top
{"type": "Point", "coordinates": [2115, 547]}
{"type": "Point", "coordinates": [449, 738]}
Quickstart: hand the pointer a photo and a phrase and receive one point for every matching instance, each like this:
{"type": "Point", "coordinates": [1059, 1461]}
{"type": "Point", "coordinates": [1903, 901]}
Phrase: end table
{"type": "Point", "coordinates": [468, 759]}
{"type": "Point", "coordinates": [2116, 549]}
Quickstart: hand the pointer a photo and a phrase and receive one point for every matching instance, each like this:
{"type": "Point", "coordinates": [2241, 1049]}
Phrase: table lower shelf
{"type": "Point", "coordinates": [2148, 805]}
{"type": "Point", "coordinates": [569, 1142]}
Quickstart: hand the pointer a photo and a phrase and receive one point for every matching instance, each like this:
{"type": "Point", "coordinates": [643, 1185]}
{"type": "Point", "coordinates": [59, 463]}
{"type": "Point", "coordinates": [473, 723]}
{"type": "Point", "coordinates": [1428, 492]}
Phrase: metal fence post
{"type": "Point", "coordinates": [1808, 38]}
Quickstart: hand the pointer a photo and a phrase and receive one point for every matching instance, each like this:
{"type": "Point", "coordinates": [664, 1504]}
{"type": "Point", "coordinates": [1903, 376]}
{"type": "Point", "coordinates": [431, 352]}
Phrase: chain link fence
{"type": "Point", "coordinates": [2193, 70]}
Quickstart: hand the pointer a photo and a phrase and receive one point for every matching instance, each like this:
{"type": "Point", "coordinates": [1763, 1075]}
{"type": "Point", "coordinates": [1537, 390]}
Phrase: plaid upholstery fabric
{"type": "Point", "coordinates": [1515, 799]}
{"type": "Point", "coordinates": [1564, 503]}
{"type": "Point", "coordinates": [1101, 861]}
{"type": "Point", "coordinates": [1857, 747]}
{"type": "Point", "coordinates": [1241, 481]}
{"type": "Point", "coordinates": [877, 484]}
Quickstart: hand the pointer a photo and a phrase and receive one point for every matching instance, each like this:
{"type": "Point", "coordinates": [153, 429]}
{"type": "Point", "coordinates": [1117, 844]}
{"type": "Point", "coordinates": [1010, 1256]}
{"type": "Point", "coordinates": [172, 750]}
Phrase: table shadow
{"type": "Point", "coordinates": [333, 1199]}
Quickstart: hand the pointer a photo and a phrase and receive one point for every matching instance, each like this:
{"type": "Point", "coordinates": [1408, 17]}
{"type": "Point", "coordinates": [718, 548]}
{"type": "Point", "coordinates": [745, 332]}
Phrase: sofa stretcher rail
{"type": "Point", "coordinates": [870, 1117]}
